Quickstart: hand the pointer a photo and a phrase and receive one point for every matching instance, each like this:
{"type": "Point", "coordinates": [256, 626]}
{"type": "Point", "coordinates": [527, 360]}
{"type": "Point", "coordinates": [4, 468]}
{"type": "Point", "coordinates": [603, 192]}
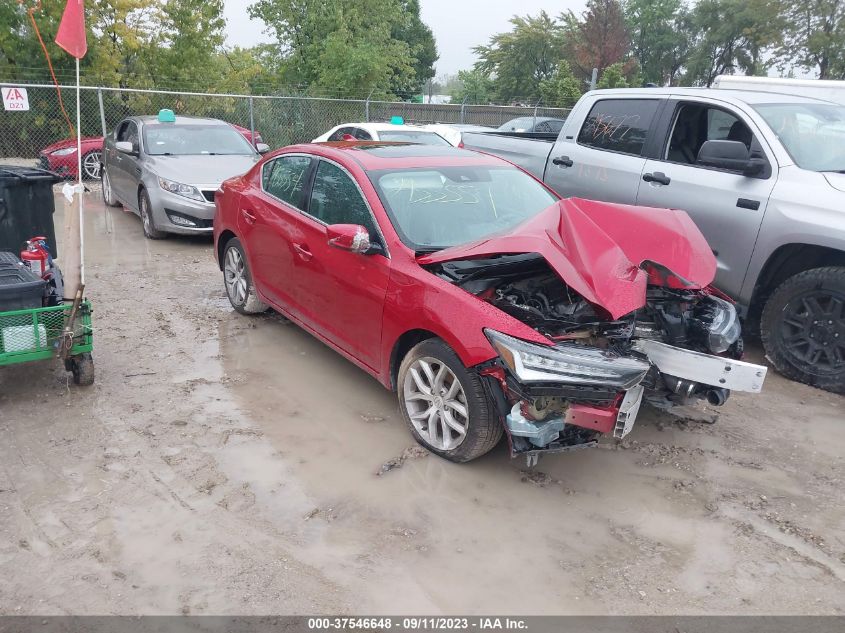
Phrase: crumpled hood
{"type": "Point", "coordinates": [599, 248]}
{"type": "Point", "coordinates": [203, 169]}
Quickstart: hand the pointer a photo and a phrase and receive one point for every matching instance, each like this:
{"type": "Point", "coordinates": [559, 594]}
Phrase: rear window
{"type": "Point", "coordinates": [411, 136]}
{"type": "Point", "coordinates": [618, 125]}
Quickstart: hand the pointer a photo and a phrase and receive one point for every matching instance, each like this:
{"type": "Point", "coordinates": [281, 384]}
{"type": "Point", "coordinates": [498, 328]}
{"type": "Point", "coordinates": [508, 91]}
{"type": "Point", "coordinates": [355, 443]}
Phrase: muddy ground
{"type": "Point", "coordinates": [227, 465]}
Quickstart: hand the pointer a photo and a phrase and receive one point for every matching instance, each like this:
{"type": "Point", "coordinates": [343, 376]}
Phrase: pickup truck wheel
{"type": "Point", "coordinates": [238, 280]}
{"type": "Point", "coordinates": [444, 405]}
{"type": "Point", "coordinates": [803, 328]}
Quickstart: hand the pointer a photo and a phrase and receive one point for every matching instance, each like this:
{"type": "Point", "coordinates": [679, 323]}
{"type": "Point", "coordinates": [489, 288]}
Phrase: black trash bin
{"type": "Point", "coordinates": [26, 207]}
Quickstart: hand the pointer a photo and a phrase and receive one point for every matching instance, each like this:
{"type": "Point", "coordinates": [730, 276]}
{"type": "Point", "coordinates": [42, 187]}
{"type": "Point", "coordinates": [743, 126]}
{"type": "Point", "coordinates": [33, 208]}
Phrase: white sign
{"type": "Point", "coordinates": [15, 98]}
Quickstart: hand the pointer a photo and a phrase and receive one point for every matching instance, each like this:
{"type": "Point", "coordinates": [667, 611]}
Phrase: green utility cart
{"type": "Point", "coordinates": [38, 334]}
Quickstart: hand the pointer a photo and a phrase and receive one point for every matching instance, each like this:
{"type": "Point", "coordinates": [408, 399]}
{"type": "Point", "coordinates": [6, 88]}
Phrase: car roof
{"type": "Point", "coordinates": [152, 119]}
{"type": "Point", "coordinates": [751, 97]}
{"type": "Point", "coordinates": [379, 126]}
{"type": "Point", "coordinates": [376, 155]}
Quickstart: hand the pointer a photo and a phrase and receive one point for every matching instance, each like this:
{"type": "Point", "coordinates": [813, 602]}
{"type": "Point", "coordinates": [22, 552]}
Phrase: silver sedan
{"type": "Point", "coordinates": [167, 169]}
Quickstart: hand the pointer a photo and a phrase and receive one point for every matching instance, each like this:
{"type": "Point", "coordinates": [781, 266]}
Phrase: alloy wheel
{"type": "Point", "coordinates": [235, 276]}
{"type": "Point", "coordinates": [814, 330]}
{"type": "Point", "coordinates": [91, 165]}
{"type": "Point", "coordinates": [436, 403]}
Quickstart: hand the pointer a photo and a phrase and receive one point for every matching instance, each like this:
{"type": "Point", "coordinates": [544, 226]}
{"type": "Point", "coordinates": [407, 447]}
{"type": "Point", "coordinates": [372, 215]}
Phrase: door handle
{"type": "Point", "coordinates": [658, 177]}
{"type": "Point", "coordinates": [745, 203]}
{"type": "Point", "coordinates": [562, 161]}
{"type": "Point", "coordinates": [303, 252]}
{"type": "Point", "coordinates": [249, 218]}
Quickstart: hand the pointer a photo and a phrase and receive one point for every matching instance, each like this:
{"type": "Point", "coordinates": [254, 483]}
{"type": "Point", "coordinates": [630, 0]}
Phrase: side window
{"type": "Point", "coordinates": [543, 128]}
{"type": "Point", "coordinates": [361, 135]}
{"type": "Point", "coordinates": [338, 135]}
{"type": "Point", "coordinates": [285, 177]}
{"type": "Point", "coordinates": [618, 125]}
{"type": "Point", "coordinates": [128, 131]}
{"type": "Point", "coordinates": [696, 123]}
{"type": "Point", "coordinates": [335, 199]}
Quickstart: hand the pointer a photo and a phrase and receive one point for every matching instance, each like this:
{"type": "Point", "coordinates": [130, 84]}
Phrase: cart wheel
{"type": "Point", "coordinates": [82, 367]}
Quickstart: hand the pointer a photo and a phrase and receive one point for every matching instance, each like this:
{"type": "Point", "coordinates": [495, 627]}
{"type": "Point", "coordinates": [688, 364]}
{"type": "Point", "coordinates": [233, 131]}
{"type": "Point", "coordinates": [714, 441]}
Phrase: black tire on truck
{"type": "Point", "coordinates": [803, 328]}
{"type": "Point", "coordinates": [444, 405]}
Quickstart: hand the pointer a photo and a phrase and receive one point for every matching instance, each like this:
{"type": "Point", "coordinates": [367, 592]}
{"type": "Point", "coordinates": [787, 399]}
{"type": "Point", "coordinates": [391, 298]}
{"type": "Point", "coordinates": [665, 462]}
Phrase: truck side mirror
{"type": "Point", "coordinates": [731, 155]}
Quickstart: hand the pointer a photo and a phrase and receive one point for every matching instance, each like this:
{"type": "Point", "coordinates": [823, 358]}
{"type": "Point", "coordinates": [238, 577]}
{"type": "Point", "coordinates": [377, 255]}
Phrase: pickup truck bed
{"type": "Point", "coordinates": [528, 150]}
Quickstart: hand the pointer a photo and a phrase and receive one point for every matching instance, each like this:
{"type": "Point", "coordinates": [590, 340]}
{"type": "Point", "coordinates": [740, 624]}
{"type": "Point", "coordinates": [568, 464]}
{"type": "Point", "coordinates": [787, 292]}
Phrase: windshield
{"type": "Point", "coordinates": [188, 140]}
{"type": "Point", "coordinates": [522, 124]}
{"type": "Point", "coordinates": [813, 134]}
{"type": "Point", "coordinates": [413, 136]}
{"type": "Point", "coordinates": [434, 208]}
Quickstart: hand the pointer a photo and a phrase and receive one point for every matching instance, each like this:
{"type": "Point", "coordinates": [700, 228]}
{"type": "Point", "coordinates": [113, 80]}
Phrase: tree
{"type": "Point", "coordinates": [562, 89]}
{"type": "Point", "coordinates": [600, 38]}
{"type": "Point", "coordinates": [474, 86]}
{"type": "Point", "coordinates": [338, 47]}
{"type": "Point", "coordinates": [189, 35]}
{"type": "Point", "coordinates": [420, 40]}
{"type": "Point", "coordinates": [655, 37]}
{"type": "Point", "coordinates": [613, 77]}
{"type": "Point", "coordinates": [732, 36]}
{"type": "Point", "coordinates": [119, 52]}
{"type": "Point", "coordinates": [814, 37]}
{"type": "Point", "coordinates": [523, 57]}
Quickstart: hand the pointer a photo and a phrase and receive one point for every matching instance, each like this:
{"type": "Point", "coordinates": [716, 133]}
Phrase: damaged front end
{"type": "Point", "coordinates": [682, 340]}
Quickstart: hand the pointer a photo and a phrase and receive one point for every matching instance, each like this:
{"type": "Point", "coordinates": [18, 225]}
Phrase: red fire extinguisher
{"type": "Point", "coordinates": [36, 256]}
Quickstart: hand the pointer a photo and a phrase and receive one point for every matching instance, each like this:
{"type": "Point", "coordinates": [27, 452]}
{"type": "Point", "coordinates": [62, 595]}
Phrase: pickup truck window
{"type": "Point", "coordinates": [696, 123]}
{"type": "Point", "coordinates": [811, 133]}
{"type": "Point", "coordinates": [618, 125]}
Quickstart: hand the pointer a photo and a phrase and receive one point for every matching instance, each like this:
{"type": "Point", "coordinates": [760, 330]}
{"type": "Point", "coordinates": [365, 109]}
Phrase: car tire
{"type": "Point", "coordinates": [237, 279]}
{"type": "Point", "coordinates": [91, 165]}
{"type": "Point", "coordinates": [457, 422]}
{"type": "Point", "coordinates": [109, 198]}
{"type": "Point", "coordinates": [803, 328]}
{"type": "Point", "coordinates": [145, 210]}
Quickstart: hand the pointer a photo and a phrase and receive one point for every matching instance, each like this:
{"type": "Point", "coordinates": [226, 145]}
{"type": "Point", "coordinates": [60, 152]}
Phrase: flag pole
{"type": "Point", "coordinates": [80, 186]}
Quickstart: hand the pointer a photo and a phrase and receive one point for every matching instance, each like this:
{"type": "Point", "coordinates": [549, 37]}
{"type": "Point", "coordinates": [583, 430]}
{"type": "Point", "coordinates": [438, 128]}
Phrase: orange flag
{"type": "Point", "coordinates": [71, 33]}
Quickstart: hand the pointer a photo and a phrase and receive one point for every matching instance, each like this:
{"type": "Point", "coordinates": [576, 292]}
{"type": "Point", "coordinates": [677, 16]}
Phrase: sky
{"type": "Point", "coordinates": [458, 25]}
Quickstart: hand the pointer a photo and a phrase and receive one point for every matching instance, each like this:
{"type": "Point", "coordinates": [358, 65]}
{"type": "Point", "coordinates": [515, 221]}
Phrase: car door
{"type": "Point", "coordinates": [122, 166]}
{"type": "Point", "coordinates": [269, 221]}
{"type": "Point", "coordinates": [727, 206]}
{"type": "Point", "coordinates": [603, 160]}
{"type": "Point", "coordinates": [341, 293]}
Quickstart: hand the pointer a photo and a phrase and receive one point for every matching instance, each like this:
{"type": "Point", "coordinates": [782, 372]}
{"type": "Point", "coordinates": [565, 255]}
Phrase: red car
{"type": "Point", "coordinates": [60, 157]}
{"type": "Point", "coordinates": [488, 303]}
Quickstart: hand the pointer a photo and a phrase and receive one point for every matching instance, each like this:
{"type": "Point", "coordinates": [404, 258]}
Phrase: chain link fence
{"type": "Point", "coordinates": [42, 133]}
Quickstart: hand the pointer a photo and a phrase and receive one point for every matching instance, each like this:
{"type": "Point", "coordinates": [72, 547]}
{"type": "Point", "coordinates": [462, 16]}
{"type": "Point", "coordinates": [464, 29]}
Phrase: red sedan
{"type": "Point", "coordinates": [488, 303]}
{"type": "Point", "coordinates": [60, 157]}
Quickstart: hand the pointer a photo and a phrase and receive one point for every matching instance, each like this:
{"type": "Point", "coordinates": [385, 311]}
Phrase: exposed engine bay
{"type": "Point", "coordinates": [684, 342]}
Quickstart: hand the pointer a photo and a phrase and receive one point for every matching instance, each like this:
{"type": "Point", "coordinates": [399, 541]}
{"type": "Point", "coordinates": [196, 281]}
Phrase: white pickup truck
{"type": "Point", "coordinates": [762, 175]}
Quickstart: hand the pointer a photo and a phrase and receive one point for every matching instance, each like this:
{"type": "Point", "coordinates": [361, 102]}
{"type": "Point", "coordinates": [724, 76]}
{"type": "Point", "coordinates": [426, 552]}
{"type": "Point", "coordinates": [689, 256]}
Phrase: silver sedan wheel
{"type": "Point", "coordinates": [436, 403]}
{"type": "Point", "coordinates": [91, 165]}
{"type": "Point", "coordinates": [235, 276]}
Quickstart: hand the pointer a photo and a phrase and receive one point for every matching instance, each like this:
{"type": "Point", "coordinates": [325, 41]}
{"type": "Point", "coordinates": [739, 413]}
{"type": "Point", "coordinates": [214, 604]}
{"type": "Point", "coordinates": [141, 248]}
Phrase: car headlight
{"type": "Point", "coordinates": [64, 152]}
{"type": "Point", "coordinates": [188, 191]}
{"type": "Point", "coordinates": [569, 363]}
{"type": "Point", "coordinates": [721, 323]}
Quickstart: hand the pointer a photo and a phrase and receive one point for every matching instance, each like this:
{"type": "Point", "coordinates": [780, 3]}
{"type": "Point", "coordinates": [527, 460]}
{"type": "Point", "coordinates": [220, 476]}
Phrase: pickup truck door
{"type": "Point", "coordinates": [726, 206]}
{"type": "Point", "coordinates": [600, 152]}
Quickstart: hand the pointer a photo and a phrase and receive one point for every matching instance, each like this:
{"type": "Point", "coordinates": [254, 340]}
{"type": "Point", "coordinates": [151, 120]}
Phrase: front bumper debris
{"type": "Point", "coordinates": [705, 369]}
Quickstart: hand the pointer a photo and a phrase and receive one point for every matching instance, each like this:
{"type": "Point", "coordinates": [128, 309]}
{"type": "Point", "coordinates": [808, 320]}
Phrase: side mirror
{"type": "Point", "coordinates": [126, 147]}
{"type": "Point", "coordinates": [350, 237]}
{"type": "Point", "coordinates": [262, 148]}
{"type": "Point", "coordinates": [731, 155]}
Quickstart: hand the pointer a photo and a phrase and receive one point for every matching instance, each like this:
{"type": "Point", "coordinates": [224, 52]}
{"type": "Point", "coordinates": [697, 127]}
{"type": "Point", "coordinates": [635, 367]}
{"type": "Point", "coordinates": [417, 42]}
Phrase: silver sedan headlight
{"type": "Point", "coordinates": [568, 363]}
{"type": "Point", "coordinates": [187, 191]}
